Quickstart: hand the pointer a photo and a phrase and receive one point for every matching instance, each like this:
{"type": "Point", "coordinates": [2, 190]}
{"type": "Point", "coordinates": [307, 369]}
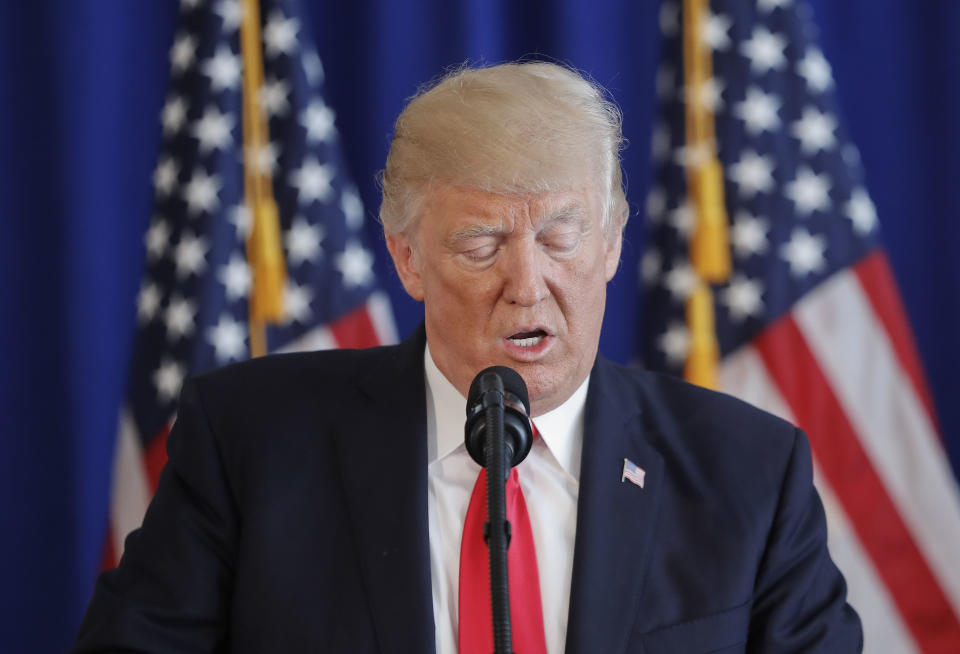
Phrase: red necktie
{"type": "Point", "coordinates": [526, 612]}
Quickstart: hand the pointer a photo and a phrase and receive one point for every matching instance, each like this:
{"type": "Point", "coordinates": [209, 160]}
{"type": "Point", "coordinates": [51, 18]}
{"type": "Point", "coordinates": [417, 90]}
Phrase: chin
{"type": "Point", "coordinates": [538, 388]}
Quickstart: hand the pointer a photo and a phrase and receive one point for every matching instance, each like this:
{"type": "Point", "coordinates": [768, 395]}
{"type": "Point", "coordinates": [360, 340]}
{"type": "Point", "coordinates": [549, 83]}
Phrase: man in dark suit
{"type": "Point", "coordinates": [314, 502]}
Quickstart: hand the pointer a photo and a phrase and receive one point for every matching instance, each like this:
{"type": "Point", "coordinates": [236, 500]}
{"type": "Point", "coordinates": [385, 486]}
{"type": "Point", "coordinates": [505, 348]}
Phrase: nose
{"type": "Point", "coordinates": [525, 271]}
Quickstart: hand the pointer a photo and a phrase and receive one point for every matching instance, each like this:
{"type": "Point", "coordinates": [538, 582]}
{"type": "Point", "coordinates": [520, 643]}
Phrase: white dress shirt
{"type": "Point", "coordinates": [549, 478]}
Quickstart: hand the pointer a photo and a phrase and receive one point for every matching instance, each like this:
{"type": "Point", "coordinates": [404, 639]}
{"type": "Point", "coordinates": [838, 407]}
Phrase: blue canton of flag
{"type": "Point", "coordinates": [809, 323]}
{"type": "Point", "coordinates": [193, 305]}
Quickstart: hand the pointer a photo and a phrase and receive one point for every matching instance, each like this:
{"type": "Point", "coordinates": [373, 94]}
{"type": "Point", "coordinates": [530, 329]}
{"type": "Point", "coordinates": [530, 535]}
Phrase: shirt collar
{"type": "Point", "coordinates": [446, 411]}
{"type": "Point", "coordinates": [561, 429]}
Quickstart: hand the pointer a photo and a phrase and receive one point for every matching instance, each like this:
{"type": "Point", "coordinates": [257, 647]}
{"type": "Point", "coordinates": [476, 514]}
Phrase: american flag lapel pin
{"type": "Point", "coordinates": [632, 473]}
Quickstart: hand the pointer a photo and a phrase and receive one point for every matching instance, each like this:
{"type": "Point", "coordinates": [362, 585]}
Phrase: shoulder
{"type": "Point", "coordinates": [265, 418]}
{"type": "Point", "coordinates": [712, 443]}
{"type": "Point", "coordinates": [678, 408]}
{"type": "Point", "coordinates": [282, 393]}
{"type": "Point", "coordinates": [279, 367]}
{"type": "Point", "coordinates": [291, 375]}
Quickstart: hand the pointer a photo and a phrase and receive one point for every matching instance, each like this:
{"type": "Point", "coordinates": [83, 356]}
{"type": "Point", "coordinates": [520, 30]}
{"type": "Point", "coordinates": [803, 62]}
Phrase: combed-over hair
{"type": "Point", "coordinates": [524, 128]}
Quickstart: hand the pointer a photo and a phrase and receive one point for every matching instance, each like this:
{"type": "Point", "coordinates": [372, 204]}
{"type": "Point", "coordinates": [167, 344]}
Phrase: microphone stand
{"type": "Point", "coordinates": [497, 529]}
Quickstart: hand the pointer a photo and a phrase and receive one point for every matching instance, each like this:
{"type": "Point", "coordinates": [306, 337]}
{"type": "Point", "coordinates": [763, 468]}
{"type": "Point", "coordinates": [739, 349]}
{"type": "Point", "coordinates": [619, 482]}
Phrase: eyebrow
{"type": "Point", "coordinates": [572, 212]}
{"type": "Point", "coordinates": [474, 231]}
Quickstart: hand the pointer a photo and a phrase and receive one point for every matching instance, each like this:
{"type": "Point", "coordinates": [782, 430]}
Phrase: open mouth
{"type": "Point", "coordinates": [528, 339]}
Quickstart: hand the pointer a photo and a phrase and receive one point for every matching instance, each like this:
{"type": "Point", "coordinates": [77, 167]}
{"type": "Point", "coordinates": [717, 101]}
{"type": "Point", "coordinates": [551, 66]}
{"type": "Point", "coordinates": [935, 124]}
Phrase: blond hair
{"type": "Point", "coordinates": [529, 127]}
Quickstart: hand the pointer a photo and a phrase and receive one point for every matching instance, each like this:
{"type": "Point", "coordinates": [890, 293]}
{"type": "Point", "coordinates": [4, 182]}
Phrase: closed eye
{"type": "Point", "coordinates": [482, 253]}
{"type": "Point", "coordinates": [562, 240]}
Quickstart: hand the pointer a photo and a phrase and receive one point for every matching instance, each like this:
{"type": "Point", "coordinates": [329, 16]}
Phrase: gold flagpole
{"type": "Point", "coordinates": [710, 243]}
{"type": "Point", "coordinates": [264, 248]}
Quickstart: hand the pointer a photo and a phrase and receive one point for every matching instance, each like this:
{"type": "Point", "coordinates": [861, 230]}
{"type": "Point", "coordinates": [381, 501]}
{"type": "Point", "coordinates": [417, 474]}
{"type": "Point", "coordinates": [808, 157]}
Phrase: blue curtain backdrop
{"type": "Point", "coordinates": [81, 87]}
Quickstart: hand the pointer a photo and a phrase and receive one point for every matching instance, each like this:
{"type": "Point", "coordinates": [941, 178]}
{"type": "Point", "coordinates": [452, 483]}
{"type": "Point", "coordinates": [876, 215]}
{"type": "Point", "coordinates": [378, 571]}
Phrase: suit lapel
{"type": "Point", "coordinates": [615, 520]}
{"type": "Point", "coordinates": [383, 457]}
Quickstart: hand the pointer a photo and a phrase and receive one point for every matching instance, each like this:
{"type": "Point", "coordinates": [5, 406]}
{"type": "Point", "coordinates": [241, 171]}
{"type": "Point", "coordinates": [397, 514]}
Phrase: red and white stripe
{"type": "Point", "coordinates": [842, 366]}
{"type": "Point", "coordinates": [136, 470]}
{"type": "Point", "coordinates": [368, 325]}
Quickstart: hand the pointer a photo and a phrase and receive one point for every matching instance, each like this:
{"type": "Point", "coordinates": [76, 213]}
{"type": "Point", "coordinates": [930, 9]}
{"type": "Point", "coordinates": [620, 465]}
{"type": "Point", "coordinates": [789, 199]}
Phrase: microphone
{"type": "Point", "coordinates": [502, 387]}
{"type": "Point", "coordinates": [498, 437]}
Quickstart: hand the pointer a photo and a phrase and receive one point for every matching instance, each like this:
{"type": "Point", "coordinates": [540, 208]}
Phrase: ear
{"type": "Point", "coordinates": [612, 257]}
{"type": "Point", "coordinates": [404, 259]}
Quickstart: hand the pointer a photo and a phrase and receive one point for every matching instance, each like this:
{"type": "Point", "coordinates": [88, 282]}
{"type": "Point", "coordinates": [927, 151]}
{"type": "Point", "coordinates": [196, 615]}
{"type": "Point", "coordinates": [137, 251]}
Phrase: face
{"type": "Point", "coordinates": [512, 280]}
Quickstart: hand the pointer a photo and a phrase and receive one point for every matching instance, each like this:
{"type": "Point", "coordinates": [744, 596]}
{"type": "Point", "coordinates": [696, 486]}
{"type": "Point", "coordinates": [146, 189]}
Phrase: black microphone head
{"type": "Point", "coordinates": [512, 383]}
{"type": "Point", "coordinates": [505, 388]}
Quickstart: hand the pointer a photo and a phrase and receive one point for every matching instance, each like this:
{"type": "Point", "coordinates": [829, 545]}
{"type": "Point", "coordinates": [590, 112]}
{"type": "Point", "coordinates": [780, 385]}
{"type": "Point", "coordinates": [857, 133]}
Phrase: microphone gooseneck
{"type": "Point", "coordinates": [498, 436]}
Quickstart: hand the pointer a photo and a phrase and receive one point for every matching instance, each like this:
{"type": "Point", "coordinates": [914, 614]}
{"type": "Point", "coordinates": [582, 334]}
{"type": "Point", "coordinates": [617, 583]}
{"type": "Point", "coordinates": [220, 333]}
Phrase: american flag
{"type": "Point", "coordinates": [193, 305]}
{"type": "Point", "coordinates": [809, 323]}
{"type": "Point", "coordinates": [633, 473]}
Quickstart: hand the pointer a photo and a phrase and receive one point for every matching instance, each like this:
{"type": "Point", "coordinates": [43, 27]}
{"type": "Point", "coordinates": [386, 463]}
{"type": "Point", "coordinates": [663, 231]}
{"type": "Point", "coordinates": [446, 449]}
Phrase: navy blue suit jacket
{"type": "Point", "coordinates": [292, 516]}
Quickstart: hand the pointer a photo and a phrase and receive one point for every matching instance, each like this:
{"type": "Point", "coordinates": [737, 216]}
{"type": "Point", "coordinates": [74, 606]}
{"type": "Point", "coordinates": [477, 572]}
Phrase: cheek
{"type": "Point", "coordinates": [457, 294]}
{"type": "Point", "coordinates": [584, 303]}
{"type": "Point", "coordinates": [459, 302]}
{"type": "Point", "coordinates": [473, 291]}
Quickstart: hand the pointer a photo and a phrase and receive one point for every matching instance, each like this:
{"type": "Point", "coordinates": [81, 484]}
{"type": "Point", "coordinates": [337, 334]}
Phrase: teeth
{"type": "Point", "coordinates": [527, 342]}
